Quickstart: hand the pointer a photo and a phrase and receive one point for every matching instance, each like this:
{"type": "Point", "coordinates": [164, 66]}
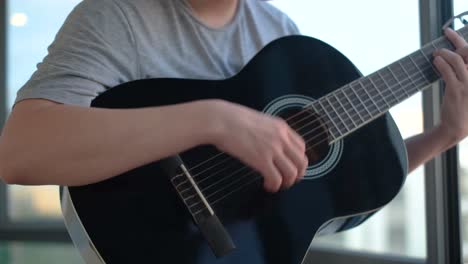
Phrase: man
{"type": "Point", "coordinates": [53, 137]}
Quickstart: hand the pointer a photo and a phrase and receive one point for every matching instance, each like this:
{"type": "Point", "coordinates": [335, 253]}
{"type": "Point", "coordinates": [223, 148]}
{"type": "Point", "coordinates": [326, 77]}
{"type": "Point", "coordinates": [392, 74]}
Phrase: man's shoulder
{"type": "Point", "coordinates": [265, 6]}
{"type": "Point", "coordinates": [272, 15]}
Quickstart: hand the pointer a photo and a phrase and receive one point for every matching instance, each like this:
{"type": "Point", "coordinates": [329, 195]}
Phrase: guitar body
{"type": "Point", "coordinates": [138, 217]}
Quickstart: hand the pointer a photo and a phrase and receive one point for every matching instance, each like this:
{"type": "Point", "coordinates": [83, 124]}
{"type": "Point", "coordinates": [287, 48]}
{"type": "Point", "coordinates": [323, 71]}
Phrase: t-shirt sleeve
{"type": "Point", "coordinates": [94, 50]}
{"type": "Point", "coordinates": [294, 30]}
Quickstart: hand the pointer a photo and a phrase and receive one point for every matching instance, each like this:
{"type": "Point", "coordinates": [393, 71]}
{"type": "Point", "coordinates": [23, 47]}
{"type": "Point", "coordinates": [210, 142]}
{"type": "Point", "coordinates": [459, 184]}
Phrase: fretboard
{"type": "Point", "coordinates": [361, 101]}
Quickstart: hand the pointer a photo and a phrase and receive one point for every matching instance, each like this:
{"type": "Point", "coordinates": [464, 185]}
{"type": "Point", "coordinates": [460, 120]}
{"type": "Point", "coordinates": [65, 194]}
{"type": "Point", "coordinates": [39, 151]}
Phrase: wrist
{"type": "Point", "coordinates": [446, 136]}
{"type": "Point", "coordinates": [210, 121]}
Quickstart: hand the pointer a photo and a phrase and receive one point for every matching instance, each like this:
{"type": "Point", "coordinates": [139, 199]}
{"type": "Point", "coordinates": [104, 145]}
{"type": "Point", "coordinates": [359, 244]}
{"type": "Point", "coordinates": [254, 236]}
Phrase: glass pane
{"type": "Point", "coordinates": [367, 32]}
{"type": "Point", "coordinates": [38, 253]}
{"type": "Point", "coordinates": [29, 20]}
{"type": "Point", "coordinates": [33, 203]}
{"type": "Point", "coordinates": [459, 7]}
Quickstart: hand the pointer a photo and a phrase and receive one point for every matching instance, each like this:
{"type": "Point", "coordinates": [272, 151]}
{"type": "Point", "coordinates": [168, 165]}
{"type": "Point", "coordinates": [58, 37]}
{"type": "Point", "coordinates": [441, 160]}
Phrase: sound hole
{"type": "Point", "coordinates": [312, 128]}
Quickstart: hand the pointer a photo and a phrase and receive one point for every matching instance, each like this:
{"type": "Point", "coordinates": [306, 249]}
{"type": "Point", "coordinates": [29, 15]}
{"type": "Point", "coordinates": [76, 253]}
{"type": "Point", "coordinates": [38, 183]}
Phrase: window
{"type": "Point", "coordinates": [400, 227]}
{"type": "Point", "coordinates": [459, 7]}
{"type": "Point", "coordinates": [31, 20]}
{"type": "Point", "coordinates": [32, 206]}
{"type": "Point", "coordinates": [38, 253]}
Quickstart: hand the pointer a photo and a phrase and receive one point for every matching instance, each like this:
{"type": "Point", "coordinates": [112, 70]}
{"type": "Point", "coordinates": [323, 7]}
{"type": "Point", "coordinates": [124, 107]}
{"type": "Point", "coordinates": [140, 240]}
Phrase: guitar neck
{"type": "Point", "coordinates": [361, 101]}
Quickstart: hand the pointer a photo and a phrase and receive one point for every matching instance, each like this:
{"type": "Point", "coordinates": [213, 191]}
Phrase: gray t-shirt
{"type": "Point", "coordinates": [104, 43]}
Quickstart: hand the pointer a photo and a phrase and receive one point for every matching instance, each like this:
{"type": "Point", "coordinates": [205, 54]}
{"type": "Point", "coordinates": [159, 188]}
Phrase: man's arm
{"type": "Point", "coordinates": [423, 147]}
{"type": "Point", "coordinates": [453, 126]}
{"type": "Point", "coordinates": [44, 142]}
{"type": "Point", "coordinates": [49, 143]}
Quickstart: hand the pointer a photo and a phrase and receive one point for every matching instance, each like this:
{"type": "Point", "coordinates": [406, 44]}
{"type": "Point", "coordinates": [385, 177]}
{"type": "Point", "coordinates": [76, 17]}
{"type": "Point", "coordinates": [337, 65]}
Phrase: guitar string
{"type": "Point", "coordinates": [300, 128]}
{"type": "Point", "coordinates": [248, 183]}
{"type": "Point", "coordinates": [305, 111]}
{"type": "Point", "coordinates": [242, 186]}
{"type": "Point", "coordinates": [227, 166]}
{"type": "Point", "coordinates": [461, 32]}
{"type": "Point", "coordinates": [346, 104]}
{"type": "Point", "coordinates": [422, 49]}
{"type": "Point", "coordinates": [308, 140]}
{"type": "Point", "coordinates": [411, 81]}
{"type": "Point", "coordinates": [260, 177]}
{"type": "Point", "coordinates": [240, 178]}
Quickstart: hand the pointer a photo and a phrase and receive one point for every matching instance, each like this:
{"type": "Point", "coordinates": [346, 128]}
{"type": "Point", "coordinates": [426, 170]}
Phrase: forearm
{"type": "Point", "coordinates": [70, 145]}
{"type": "Point", "coordinates": [425, 146]}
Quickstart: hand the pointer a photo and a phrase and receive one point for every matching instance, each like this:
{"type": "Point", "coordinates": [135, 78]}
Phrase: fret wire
{"type": "Point", "coordinates": [391, 79]}
{"type": "Point", "coordinates": [410, 79]}
{"type": "Point", "coordinates": [408, 84]}
{"type": "Point", "coordinates": [359, 102]}
{"type": "Point", "coordinates": [395, 85]}
{"type": "Point", "coordinates": [436, 48]}
{"type": "Point", "coordinates": [362, 102]}
{"type": "Point", "coordinates": [416, 66]}
{"type": "Point", "coordinates": [326, 123]}
{"type": "Point", "coordinates": [333, 112]}
{"type": "Point", "coordinates": [327, 100]}
{"type": "Point", "coordinates": [420, 83]}
{"type": "Point", "coordinates": [371, 81]}
{"type": "Point", "coordinates": [388, 87]}
{"type": "Point", "coordinates": [394, 76]}
{"type": "Point", "coordinates": [394, 98]}
{"type": "Point", "coordinates": [407, 81]}
{"type": "Point", "coordinates": [334, 106]}
{"type": "Point", "coordinates": [402, 84]}
{"type": "Point", "coordinates": [343, 91]}
{"type": "Point", "coordinates": [409, 76]}
{"type": "Point", "coordinates": [344, 109]}
{"type": "Point", "coordinates": [431, 52]}
{"type": "Point", "coordinates": [427, 61]}
{"type": "Point", "coordinates": [378, 91]}
{"type": "Point", "coordinates": [445, 43]}
{"type": "Point", "coordinates": [370, 97]}
{"type": "Point", "coordinates": [359, 98]}
{"type": "Point", "coordinates": [371, 100]}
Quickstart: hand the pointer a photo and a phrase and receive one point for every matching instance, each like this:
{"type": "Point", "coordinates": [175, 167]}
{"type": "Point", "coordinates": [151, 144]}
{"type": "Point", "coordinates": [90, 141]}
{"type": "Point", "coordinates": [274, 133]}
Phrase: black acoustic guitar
{"type": "Point", "coordinates": [205, 207]}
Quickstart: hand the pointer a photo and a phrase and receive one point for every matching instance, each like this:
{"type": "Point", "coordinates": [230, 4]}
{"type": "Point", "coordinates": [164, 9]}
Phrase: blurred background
{"type": "Point", "coordinates": [371, 33]}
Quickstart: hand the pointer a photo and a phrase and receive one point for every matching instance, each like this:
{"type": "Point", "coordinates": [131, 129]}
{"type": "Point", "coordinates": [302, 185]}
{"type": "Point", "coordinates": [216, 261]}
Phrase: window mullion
{"type": "Point", "coordinates": [3, 103]}
{"type": "Point", "coordinates": [3, 205]}
{"type": "Point", "coordinates": [443, 224]}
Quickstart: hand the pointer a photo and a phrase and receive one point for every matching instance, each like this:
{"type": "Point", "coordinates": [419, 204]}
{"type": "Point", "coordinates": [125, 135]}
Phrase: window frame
{"type": "Point", "coordinates": [9, 230]}
{"type": "Point", "coordinates": [3, 98]}
{"type": "Point", "coordinates": [444, 244]}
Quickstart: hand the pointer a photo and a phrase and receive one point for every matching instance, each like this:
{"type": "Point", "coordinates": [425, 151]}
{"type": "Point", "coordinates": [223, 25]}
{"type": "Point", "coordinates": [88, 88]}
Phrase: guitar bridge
{"type": "Point", "coordinates": [209, 224]}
